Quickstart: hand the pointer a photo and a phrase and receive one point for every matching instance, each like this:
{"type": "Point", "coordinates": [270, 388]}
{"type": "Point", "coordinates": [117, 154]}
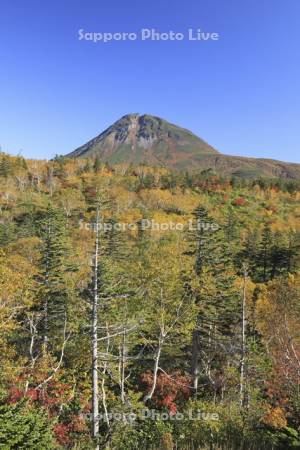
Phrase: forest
{"type": "Point", "coordinates": [119, 331]}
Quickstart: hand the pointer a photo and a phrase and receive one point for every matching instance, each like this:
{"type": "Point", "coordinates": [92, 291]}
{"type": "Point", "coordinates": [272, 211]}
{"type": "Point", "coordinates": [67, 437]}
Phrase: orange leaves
{"type": "Point", "coordinates": [275, 417]}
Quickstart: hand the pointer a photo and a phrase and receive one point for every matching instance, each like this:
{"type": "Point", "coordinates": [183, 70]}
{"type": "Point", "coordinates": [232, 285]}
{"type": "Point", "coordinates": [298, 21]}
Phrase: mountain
{"type": "Point", "coordinates": [146, 139]}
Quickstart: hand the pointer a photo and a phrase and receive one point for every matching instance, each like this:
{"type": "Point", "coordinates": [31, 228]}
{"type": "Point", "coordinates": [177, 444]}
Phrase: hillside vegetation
{"type": "Point", "coordinates": [145, 308]}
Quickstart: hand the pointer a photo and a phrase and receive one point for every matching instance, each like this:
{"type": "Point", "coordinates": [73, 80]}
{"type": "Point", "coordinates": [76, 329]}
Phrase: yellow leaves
{"type": "Point", "coordinates": [15, 288]}
{"type": "Point", "coordinates": [15, 296]}
{"type": "Point", "coordinates": [71, 199]}
{"type": "Point", "coordinates": [250, 286]}
{"type": "Point", "coordinates": [275, 417]}
{"type": "Point", "coordinates": [162, 198]}
{"type": "Point", "coordinates": [129, 219]}
{"type": "Point", "coordinates": [27, 248]}
{"type": "Point", "coordinates": [156, 198]}
{"type": "Point", "coordinates": [278, 321]}
{"type": "Point", "coordinates": [132, 215]}
{"type": "Point", "coordinates": [265, 312]}
{"type": "Point", "coordinates": [167, 442]}
{"type": "Point", "coordinates": [263, 305]}
{"type": "Point", "coordinates": [292, 278]}
{"type": "Point", "coordinates": [123, 198]}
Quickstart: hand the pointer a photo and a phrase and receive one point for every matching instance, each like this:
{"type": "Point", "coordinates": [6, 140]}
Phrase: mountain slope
{"type": "Point", "coordinates": [250, 167]}
{"type": "Point", "coordinates": [145, 139]}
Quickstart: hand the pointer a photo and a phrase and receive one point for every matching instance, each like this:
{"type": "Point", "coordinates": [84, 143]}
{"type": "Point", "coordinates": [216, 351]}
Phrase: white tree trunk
{"type": "Point", "coordinates": [95, 384]}
{"type": "Point", "coordinates": [195, 369]}
{"type": "Point", "coordinates": [122, 364]}
{"type": "Point", "coordinates": [155, 371]}
{"type": "Point", "coordinates": [243, 352]}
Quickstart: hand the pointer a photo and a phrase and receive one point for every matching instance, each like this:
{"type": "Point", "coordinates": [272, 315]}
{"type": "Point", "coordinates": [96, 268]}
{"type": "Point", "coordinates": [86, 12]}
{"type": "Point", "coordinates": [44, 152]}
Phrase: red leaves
{"type": "Point", "coordinates": [51, 398]}
{"type": "Point", "coordinates": [15, 394]}
{"type": "Point", "coordinates": [170, 389]}
{"type": "Point", "coordinates": [239, 201]}
{"type": "Point", "coordinates": [64, 430]}
{"type": "Point", "coordinates": [61, 431]}
{"type": "Point", "coordinates": [33, 394]}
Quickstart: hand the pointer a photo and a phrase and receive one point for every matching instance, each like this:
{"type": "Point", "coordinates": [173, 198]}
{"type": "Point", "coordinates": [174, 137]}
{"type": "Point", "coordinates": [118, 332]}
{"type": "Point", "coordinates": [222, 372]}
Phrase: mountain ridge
{"type": "Point", "coordinates": [146, 139]}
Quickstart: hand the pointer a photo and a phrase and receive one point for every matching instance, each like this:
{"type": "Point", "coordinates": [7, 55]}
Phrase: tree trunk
{"type": "Point", "coordinates": [195, 369]}
{"type": "Point", "coordinates": [45, 306]}
{"type": "Point", "coordinates": [95, 385]}
{"type": "Point", "coordinates": [123, 352]}
{"type": "Point", "coordinates": [243, 351]}
{"type": "Point", "coordinates": [155, 371]}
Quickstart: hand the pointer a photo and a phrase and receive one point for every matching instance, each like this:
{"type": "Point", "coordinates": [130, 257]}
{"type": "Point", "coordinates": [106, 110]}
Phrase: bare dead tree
{"type": "Point", "coordinates": [243, 338]}
{"type": "Point", "coordinates": [94, 343]}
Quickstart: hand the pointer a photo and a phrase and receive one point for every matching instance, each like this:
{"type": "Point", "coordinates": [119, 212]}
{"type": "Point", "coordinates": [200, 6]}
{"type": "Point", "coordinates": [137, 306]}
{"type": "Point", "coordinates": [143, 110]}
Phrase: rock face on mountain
{"type": "Point", "coordinates": [145, 139]}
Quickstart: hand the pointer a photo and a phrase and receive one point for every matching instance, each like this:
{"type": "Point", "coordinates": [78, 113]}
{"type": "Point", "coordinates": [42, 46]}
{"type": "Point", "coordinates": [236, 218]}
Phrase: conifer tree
{"type": "Point", "coordinates": [25, 427]}
{"type": "Point", "coordinates": [249, 252]}
{"type": "Point", "coordinates": [97, 164]}
{"type": "Point", "coordinates": [264, 259]}
{"type": "Point", "coordinates": [6, 166]}
{"type": "Point", "coordinates": [284, 254]}
{"type": "Point", "coordinates": [53, 289]}
{"type": "Point", "coordinates": [214, 294]}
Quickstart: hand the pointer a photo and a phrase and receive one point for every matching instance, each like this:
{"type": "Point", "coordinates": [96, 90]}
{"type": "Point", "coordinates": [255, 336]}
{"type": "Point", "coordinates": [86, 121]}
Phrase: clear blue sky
{"type": "Point", "coordinates": [241, 93]}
